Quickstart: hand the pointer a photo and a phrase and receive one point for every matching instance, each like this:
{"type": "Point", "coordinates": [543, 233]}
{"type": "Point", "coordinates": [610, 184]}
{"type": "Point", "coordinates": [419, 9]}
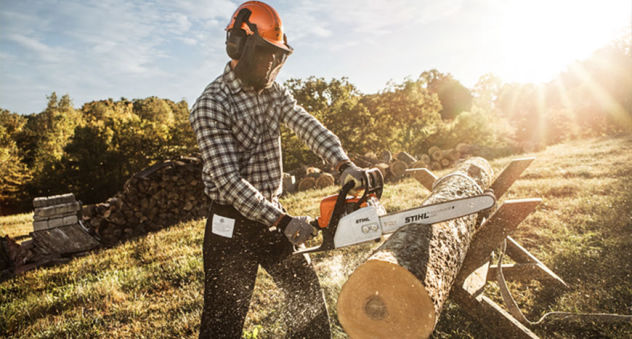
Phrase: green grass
{"type": "Point", "coordinates": [16, 226]}
{"type": "Point", "coordinates": [152, 286]}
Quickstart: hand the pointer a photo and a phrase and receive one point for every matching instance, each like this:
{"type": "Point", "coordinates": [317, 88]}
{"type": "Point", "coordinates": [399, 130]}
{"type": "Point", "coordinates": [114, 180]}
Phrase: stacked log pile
{"type": "Point", "coordinates": [159, 196]}
{"type": "Point", "coordinates": [436, 158]}
{"type": "Point", "coordinates": [312, 177]}
{"type": "Point", "coordinates": [394, 167]}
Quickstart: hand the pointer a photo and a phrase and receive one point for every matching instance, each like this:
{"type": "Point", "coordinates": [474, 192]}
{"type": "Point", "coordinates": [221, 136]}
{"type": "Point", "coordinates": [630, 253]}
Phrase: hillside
{"type": "Point", "coordinates": [152, 287]}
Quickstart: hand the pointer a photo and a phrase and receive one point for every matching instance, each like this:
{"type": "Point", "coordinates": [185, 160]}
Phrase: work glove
{"type": "Point", "coordinates": [296, 229]}
{"type": "Point", "coordinates": [351, 172]}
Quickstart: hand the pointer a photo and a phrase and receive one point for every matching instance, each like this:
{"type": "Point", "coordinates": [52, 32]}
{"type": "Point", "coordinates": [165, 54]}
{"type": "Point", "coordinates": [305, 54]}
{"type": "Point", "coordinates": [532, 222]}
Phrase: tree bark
{"type": "Point", "coordinates": [400, 290]}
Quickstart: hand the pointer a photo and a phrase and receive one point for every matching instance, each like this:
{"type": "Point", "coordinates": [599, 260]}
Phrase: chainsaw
{"type": "Point", "coordinates": [347, 220]}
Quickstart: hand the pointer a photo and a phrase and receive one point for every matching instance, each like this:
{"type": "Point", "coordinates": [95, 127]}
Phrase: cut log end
{"type": "Point", "coordinates": [384, 300]}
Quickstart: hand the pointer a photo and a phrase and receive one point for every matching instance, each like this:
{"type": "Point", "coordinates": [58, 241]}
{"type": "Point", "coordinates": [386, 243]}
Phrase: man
{"type": "Point", "coordinates": [236, 121]}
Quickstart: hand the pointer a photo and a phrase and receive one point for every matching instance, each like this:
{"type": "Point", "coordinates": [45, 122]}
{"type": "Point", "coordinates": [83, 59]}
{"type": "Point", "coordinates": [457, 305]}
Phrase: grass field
{"type": "Point", "coordinates": [152, 287]}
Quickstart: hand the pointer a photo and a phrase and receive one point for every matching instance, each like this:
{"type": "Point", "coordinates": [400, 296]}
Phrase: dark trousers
{"type": "Point", "coordinates": [230, 270]}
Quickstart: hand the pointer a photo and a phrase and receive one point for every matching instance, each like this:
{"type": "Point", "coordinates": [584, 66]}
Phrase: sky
{"type": "Point", "coordinates": [99, 49]}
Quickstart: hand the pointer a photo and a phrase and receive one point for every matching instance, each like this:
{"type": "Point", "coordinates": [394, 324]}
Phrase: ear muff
{"type": "Point", "coordinates": [236, 36]}
{"type": "Point", "coordinates": [235, 40]}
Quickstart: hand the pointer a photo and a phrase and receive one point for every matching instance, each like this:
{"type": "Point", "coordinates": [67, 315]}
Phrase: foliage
{"type": "Point", "coordinates": [408, 113]}
{"type": "Point", "coordinates": [337, 104]}
{"type": "Point", "coordinates": [13, 172]}
{"type": "Point", "coordinates": [454, 97]}
{"type": "Point", "coordinates": [91, 151]}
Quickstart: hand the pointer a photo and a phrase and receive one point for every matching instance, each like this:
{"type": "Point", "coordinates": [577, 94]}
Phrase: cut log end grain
{"type": "Point", "coordinates": [385, 157]}
{"type": "Point", "coordinates": [324, 180]}
{"type": "Point", "coordinates": [425, 158]}
{"type": "Point", "coordinates": [437, 155]}
{"type": "Point", "coordinates": [445, 162]}
{"type": "Point", "coordinates": [306, 183]}
{"type": "Point", "coordinates": [392, 303]}
{"type": "Point", "coordinates": [398, 168]}
{"type": "Point", "coordinates": [413, 271]}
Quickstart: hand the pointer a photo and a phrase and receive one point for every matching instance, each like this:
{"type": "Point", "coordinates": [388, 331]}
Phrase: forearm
{"type": "Point", "coordinates": [246, 199]}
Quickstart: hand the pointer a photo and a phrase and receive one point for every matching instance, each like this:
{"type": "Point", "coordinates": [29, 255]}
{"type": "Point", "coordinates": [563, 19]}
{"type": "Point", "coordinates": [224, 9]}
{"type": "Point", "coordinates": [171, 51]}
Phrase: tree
{"type": "Point", "coordinates": [407, 114]}
{"type": "Point", "coordinates": [337, 104]}
{"type": "Point", "coordinates": [454, 97]}
{"type": "Point", "coordinates": [13, 172]}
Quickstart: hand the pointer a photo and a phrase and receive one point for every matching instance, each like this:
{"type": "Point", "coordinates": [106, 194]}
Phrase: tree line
{"type": "Point", "coordinates": [92, 150]}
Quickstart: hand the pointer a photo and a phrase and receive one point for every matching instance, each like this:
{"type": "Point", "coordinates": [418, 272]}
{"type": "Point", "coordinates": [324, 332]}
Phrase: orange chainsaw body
{"type": "Point", "coordinates": [327, 207]}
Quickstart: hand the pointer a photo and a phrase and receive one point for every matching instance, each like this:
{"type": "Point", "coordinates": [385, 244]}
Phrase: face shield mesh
{"type": "Point", "coordinates": [260, 62]}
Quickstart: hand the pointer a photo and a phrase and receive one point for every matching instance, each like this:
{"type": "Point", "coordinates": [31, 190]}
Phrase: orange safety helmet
{"type": "Point", "coordinates": [255, 17]}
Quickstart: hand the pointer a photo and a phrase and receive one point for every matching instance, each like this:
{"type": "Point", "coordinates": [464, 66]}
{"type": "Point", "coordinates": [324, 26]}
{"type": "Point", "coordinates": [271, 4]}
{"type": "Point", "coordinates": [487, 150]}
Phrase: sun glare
{"type": "Point", "coordinates": [541, 38]}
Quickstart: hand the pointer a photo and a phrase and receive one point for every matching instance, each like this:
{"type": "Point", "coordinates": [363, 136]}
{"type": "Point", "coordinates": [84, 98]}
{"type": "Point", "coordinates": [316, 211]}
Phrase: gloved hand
{"type": "Point", "coordinates": [296, 229]}
{"type": "Point", "coordinates": [351, 172]}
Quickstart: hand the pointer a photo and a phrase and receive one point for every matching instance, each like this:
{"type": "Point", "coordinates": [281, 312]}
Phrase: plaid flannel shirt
{"type": "Point", "coordinates": [239, 138]}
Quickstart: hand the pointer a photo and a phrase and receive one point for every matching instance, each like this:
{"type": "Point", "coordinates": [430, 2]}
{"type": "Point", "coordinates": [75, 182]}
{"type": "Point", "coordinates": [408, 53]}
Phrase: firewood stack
{"type": "Point", "coordinates": [159, 196]}
{"type": "Point", "coordinates": [56, 226]}
{"type": "Point", "coordinates": [314, 178]}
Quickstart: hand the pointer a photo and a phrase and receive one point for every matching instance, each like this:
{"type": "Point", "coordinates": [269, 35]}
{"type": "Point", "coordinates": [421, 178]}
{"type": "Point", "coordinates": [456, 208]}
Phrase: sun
{"type": "Point", "coordinates": [541, 38]}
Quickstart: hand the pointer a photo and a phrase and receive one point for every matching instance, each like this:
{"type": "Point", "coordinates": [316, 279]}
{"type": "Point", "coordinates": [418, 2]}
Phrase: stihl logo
{"type": "Point", "coordinates": [417, 217]}
{"type": "Point", "coordinates": [362, 220]}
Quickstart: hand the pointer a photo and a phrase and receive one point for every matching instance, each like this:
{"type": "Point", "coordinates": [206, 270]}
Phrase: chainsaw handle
{"type": "Point", "coordinates": [373, 183]}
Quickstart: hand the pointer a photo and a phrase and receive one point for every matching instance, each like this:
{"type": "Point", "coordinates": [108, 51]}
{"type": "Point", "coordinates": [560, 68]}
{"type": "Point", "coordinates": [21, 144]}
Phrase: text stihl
{"type": "Point", "coordinates": [417, 217]}
{"type": "Point", "coordinates": [362, 220]}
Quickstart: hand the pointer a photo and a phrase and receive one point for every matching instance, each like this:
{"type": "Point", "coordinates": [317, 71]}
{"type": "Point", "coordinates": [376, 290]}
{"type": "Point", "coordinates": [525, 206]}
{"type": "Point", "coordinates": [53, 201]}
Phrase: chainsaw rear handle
{"type": "Point", "coordinates": [373, 183]}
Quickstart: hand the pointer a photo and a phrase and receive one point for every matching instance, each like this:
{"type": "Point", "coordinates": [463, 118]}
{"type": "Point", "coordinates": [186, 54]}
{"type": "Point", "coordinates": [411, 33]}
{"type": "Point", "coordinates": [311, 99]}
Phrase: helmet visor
{"type": "Point", "coordinates": [260, 62]}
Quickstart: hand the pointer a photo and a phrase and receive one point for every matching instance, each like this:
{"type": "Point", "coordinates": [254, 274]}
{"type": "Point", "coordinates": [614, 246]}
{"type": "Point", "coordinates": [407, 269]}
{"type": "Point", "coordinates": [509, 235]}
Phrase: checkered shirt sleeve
{"type": "Point", "coordinates": [317, 137]}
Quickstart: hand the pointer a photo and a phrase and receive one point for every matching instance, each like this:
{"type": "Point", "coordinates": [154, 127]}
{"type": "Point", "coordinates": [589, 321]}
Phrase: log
{"type": "Point", "coordinates": [437, 155]}
{"type": "Point", "coordinates": [313, 172]}
{"type": "Point", "coordinates": [453, 154]}
{"type": "Point", "coordinates": [406, 157]}
{"type": "Point", "coordinates": [384, 169]}
{"type": "Point", "coordinates": [371, 157]}
{"type": "Point", "coordinates": [425, 158]}
{"type": "Point", "coordinates": [385, 157]}
{"type": "Point", "coordinates": [418, 164]}
{"type": "Point", "coordinates": [324, 180]}
{"type": "Point", "coordinates": [463, 148]}
{"type": "Point", "coordinates": [400, 290]}
{"type": "Point", "coordinates": [398, 168]}
{"type": "Point", "coordinates": [433, 149]}
{"type": "Point", "coordinates": [306, 184]}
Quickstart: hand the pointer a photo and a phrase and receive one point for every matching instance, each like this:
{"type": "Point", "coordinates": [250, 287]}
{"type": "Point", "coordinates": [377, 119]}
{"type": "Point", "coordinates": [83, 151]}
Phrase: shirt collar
{"type": "Point", "coordinates": [233, 82]}
{"type": "Point", "coordinates": [229, 76]}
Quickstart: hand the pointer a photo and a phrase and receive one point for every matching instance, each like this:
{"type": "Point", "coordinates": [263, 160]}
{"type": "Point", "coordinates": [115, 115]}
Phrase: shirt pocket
{"type": "Point", "coordinates": [246, 133]}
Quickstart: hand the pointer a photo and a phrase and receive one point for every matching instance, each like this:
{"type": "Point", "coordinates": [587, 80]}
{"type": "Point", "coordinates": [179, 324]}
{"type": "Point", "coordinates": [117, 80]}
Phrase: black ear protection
{"type": "Point", "coordinates": [236, 36]}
